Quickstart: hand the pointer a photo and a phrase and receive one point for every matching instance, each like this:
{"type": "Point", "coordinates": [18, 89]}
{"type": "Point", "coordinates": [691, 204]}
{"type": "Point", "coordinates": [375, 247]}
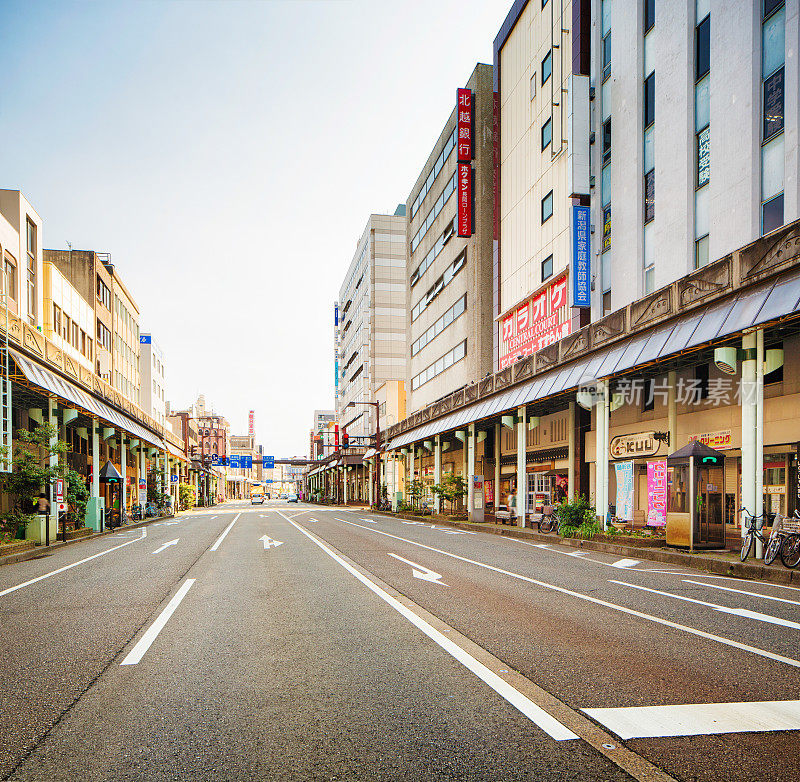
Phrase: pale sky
{"type": "Point", "coordinates": [228, 155]}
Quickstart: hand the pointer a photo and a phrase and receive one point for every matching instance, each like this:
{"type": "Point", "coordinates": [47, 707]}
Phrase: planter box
{"type": "Point", "coordinates": [15, 547]}
{"type": "Point", "coordinates": [628, 540]}
{"type": "Point", "coordinates": [79, 533]}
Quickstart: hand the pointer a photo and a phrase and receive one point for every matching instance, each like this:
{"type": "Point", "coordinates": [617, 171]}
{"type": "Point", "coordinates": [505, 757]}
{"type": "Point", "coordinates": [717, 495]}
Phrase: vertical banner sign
{"type": "Point", "coordinates": [581, 249]}
{"type": "Point", "coordinates": [251, 423]}
{"type": "Point", "coordinates": [657, 493]}
{"type": "Point", "coordinates": [464, 199]}
{"type": "Point", "coordinates": [624, 471]}
{"type": "Point", "coordinates": [464, 125]}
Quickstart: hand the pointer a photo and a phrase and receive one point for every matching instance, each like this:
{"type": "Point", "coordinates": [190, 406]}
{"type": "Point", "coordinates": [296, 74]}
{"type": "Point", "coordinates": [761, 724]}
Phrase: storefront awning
{"type": "Point", "coordinates": [174, 451]}
{"type": "Point", "coordinates": [49, 381]}
{"type": "Point", "coordinates": [369, 454]}
{"type": "Point", "coordinates": [720, 320]}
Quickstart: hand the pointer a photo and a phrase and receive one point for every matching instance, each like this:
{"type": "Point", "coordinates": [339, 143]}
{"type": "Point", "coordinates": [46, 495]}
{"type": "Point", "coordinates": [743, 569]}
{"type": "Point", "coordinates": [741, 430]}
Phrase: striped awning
{"type": "Point", "coordinates": [51, 382]}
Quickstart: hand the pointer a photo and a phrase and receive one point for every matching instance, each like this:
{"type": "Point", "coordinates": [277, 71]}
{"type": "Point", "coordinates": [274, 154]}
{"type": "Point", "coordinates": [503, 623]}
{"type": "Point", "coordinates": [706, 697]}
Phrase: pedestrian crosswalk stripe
{"type": "Point", "coordinates": [698, 719]}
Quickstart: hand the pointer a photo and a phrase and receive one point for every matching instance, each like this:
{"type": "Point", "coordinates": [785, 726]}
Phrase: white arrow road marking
{"type": "Point", "coordinates": [143, 644]}
{"type": "Point", "coordinates": [270, 543]}
{"type": "Point", "coordinates": [165, 523]}
{"type": "Point", "coordinates": [698, 719]}
{"type": "Point", "coordinates": [623, 563]}
{"type": "Point", "coordinates": [313, 521]}
{"type": "Point", "coordinates": [167, 545]}
{"type": "Point", "coordinates": [370, 521]}
{"type": "Point", "coordinates": [417, 523]}
{"type": "Point", "coordinates": [743, 612]}
{"type": "Point", "coordinates": [428, 575]}
{"type": "Point", "coordinates": [576, 554]}
{"type": "Point", "coordinates": [74, 564]}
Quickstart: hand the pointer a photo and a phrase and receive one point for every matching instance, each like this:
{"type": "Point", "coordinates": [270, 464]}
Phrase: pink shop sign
{"type": "Point", "coordinates": [657, 493]}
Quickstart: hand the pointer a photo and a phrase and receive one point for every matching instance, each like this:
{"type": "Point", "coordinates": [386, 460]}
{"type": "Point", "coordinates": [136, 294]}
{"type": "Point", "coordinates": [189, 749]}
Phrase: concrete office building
{"type": "Point", "coordinates": [695, 120]}
{"type": "Point", "coordinates": [372, 318]}
{"type": "Point", "coordinates": [449, 277]}
{"type": "Point", "coordinates": [151, 374]}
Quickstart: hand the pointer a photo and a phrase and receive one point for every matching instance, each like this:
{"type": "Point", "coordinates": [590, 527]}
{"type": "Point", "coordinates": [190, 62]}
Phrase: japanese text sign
{"type": "Point", "coordinates": [464, 199]}
{"type": "Point", "coordinates": [657, 493]}
{"type": "Point", "coordinates": [464, 125]}
{"type": "Point", "coordinates": [581, 263]}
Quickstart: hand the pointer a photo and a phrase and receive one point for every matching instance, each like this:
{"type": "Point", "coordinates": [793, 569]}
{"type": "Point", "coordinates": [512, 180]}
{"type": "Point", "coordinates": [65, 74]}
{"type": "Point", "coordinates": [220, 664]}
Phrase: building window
{"type": "Point", "coordinates": [649, 195]}
{"type": "Point", "coordinates": [702, 57]}
{"type": "Point", "coordinates": [547, 267]}
{"type": "Point", "coordinates": [701, 252]}
{"type": "Point", "coordinates": [440, 325]}
{"type": "Point", "coordinates": [10, 277]}
{"type": "Point", "coordinates": [88, 352]}
{"type": "Point", "coordinates": [773, 104]}
{"type": "Point", "coordinates": [607, 56]}
{"type": "Point", "coordinates": [650, 100]}
{"type": "Point", "coordinates": [66, 329]}
{"type": "Point", "coordinates": [606, 302]}
{"type": "Point", "coordinates": [31, 246]}
{"type": "Point", "coordinates": [772, 214]}
{"type": "Point", "coordinates": [547, 67]}
{"type": "Point", "coordinates": [103, 294]}
{"type": "Point", "coordinates": [547, 207]}
{"type": "Point", "coordinates": [547, 133]}
{"type": "Point", "coordinates": [441, 365]}
{"type": "Point", "coordinates": [701, 380]}
{"type": "Point", "coordinates": [649, 14]}
{"type": "Point", "coordinates": [56, 319]}
{"type": "Point", "coordinates": [606, 141]}
{"type": "Point", "coordinates": [533, 86]}
{"type": "Point", "coordinates": [649, 395]}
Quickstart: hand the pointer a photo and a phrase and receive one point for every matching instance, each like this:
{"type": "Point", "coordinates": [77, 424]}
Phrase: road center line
{"type": "Point", "coordinates": [74, 564]}
{"type": "Point", "coordinates": [597, 601]}
{"type": "Point", "coordinates": [224, 533]}
{"type": "Point", "coordinates": [534, 713]}
{"type": "Point", "coordinates": [143, 644]}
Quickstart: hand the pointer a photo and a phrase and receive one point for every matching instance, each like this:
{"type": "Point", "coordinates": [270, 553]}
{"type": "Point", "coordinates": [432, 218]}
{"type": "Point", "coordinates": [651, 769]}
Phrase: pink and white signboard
{"type": "Point", "coordinates": [657, 493]}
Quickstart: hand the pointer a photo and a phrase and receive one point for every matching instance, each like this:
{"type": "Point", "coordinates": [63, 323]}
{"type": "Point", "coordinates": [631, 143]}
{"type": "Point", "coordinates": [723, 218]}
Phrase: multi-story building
{"type": "Point", "coordinates": [371, 320]}
{"type": "Point", "coordinates": [21, 241]}
{"type": "Point", "coordinates": [318, 434]}
{"type": "Point", "coordinates": [151, 375]}
{"type": "Point", "coordinates": [125, 341]}
{"type": "Point", "coordinates": [449, 270]}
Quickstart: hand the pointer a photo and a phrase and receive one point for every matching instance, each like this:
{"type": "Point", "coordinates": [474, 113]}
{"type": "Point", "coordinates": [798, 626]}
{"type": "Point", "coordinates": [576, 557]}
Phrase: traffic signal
{"type": "Point", "coordinates": [345, 440]}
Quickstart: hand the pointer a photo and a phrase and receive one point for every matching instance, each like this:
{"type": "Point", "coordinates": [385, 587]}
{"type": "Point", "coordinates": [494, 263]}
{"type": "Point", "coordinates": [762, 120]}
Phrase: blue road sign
{"type": "Point", "coordinates": [268, 462]}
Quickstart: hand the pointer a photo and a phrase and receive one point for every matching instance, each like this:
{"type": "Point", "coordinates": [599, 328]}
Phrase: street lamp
{"type": "Point", "coordinates": [376, 405]}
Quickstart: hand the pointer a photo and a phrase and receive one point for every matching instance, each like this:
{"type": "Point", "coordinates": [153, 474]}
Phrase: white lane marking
{"type": "Point", "coordinates": [598, 601]}
{"type": "Point", "coordinates": [74, 564]}
{"type": "Point", "coordinates": [534, 713]}
{"type": "Point", "coordinates": [224, 533]}
{"type": "Point", "coordinates": [743, 592]}
{"type": "Point", "coordinates": [699, 719]}
{"type": "Point", "coordinates": [577, 553]}
{"type": "Point", "coordinates": [625, 563]}
{"type": "Point", "coordinates": [424, 573]}
{"type": "Point", "coordinates": [370, 521]}
{"type": "Point", "coordinates": [270, 543]}
{"type": "Point", "coordinates": [167, 545]}
{"type": "Point", "coordinates": [166, 523]}
{"type": "Point", "coordinates": [143, 644]}
{"type": "Point", "coordinates": [415, 523]}
{"type": "Point", "coordinates": [541, 545]}
{"type": "Point", "coordinates": [743, 612]}
{"type": "Point", "coordinates": [313, 521]}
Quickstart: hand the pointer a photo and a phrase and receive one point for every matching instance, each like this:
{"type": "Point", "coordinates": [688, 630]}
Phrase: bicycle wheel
{"type": "Point", "coordinates": [790, 551]}
{"type": "Point", "coordinates": [546, 524]}
{"type": "Point", "coordinates": [747, 544]}
{"type": "Point", "coordinates": [772, 549]}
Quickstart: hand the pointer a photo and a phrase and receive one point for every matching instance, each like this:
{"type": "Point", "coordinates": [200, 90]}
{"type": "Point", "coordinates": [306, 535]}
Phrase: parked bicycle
{"type": "Point", "coordinates": [754, 525]}
{"type": "Point", "coordinates": [547, 520]}
{"type": "Point", "coordinates": [790, 545]}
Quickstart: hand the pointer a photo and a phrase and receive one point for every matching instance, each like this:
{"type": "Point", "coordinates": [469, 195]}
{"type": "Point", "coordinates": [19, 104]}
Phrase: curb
{"type": "Point", "coordinates": [721, 567]}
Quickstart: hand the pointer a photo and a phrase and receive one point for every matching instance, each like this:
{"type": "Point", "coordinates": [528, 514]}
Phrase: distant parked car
{"type": "Point", "coordinates": [291, 498]}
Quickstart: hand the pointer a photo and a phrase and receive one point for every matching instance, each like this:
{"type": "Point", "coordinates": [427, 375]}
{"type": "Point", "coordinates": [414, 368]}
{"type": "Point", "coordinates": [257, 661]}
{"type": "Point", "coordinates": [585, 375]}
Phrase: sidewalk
{"type": "Point", "coordinates": [721, 563]}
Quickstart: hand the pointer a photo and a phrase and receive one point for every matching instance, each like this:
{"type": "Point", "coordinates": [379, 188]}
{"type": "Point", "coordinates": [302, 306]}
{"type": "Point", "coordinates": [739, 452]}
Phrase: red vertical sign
{"type": "Point", "coordinates": [464, 124]}
{"type": "Point", "coordinates": [251, 429]}
{"type": "Point", "coordinates": [464, 199]}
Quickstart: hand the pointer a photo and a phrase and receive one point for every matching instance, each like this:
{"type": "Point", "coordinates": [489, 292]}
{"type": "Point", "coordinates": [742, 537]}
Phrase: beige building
{"type": "Point", "coordinates": [69, 319]}
{"type": "Point", "coordinates": [125, 339]}
{"type": "Point", "coordinates": [449, 292]}
{"type": "Point", "coordinates": [21, 242]}
{"type": "Point", "coordinates": [372, 317]}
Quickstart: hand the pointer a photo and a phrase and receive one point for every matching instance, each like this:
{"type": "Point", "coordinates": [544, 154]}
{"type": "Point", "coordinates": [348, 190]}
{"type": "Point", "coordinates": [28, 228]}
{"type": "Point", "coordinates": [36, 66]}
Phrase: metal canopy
{"type": "Point", "coordinates": [763, 303]}
{"type": "Point", "coordinates": [49, 381]}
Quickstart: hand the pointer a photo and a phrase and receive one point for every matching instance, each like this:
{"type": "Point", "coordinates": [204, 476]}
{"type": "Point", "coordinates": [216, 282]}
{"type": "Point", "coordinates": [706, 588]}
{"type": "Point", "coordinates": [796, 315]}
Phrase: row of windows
{"type": "Point", "coordinates": [71, 332]}
{"type": "Point", "coordinates": [449, 273]}
{"type": "Point", "coordinates": [449, 146]}
{"type": "Point", "coordinates": [103, 294]}
{"type": "Point", "coordinates": [31, 276]}
{"type": "Point", "coordinates": [702, 127]}
{"type": "Point", "coordinates": [440, 325]}
{"type": "Point", "coordinates": [431, 255]}
{"type": "Point", "coordinates": [10, 276]}
{"type": "Point", "coordinates": [445, 362]}
{"type": "Point", "coordinates": [773, 56]}
{"type": "Point", "coordinates": [449, 189]}
{"type": "Point", "coordinates": [103, 336]}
